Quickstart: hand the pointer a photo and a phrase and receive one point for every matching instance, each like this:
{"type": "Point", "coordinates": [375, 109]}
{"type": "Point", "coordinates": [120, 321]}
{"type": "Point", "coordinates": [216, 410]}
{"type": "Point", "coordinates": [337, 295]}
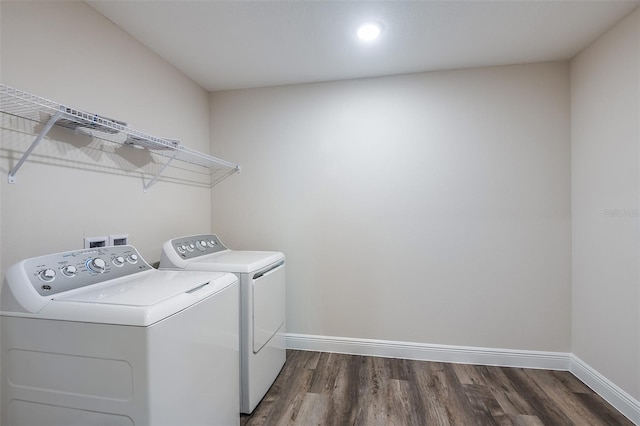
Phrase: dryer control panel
{"type": "Point", "coordinates": [197, 245]}
{"type": "Point", "coordinates": [56, 273]}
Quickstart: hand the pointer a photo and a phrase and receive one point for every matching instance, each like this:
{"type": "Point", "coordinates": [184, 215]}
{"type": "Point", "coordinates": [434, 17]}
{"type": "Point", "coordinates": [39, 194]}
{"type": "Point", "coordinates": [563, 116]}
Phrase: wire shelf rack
{"type": "Point", "coordinates": [49, 113]}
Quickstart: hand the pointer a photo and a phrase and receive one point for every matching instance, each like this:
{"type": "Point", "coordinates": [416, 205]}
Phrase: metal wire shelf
{"type": "Point", "coordinates": [49, 113]}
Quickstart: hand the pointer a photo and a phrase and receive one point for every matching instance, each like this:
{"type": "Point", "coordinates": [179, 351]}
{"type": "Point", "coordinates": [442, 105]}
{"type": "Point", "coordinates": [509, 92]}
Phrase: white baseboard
{"type": "Point", "coordinates": [428, 352]}
{"type": "Point", "coordinates": [565, 361]}
{"type": "Point", "coordinates": [611, 393]}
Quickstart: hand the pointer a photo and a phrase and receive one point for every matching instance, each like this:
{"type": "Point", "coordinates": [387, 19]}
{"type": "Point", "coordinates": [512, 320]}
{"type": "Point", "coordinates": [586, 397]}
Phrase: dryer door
{"type": "Point", "coordinates": [269, 309]}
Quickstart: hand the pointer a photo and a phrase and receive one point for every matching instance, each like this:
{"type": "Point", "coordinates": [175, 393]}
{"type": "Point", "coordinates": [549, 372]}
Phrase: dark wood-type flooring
{"type": "Point", "coordinates": [317, 388]}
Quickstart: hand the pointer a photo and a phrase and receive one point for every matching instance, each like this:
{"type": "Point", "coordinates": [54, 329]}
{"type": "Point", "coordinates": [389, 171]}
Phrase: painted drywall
{"type": "Point", "coordinates": [605, 144]}
{"type": "Point", "coordinates": [71, 187]}
{"type": "Point", "coordinates": [430, 208]}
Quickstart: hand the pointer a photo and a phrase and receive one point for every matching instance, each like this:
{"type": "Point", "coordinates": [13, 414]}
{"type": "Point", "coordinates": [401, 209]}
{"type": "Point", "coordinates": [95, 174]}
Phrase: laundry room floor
{"type": "Point", "coordinates": [317, 388]}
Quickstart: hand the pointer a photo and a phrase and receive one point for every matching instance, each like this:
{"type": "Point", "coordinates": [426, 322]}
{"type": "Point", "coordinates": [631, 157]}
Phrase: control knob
{"type": "Point", "coordinates": [47, 275]}
{"type": "Point", "coordinates": [118, 261]}
{"type": "Point", "coordinates": [191, 247]}
{"type": "Point", "coordinates": [69, 271]}
{"type": "Point", "coordinates": [132, 258]}
{"type": "Point", "coordinates": [202, 245]}
{"type": "Point", "coordinates": [96, 265]}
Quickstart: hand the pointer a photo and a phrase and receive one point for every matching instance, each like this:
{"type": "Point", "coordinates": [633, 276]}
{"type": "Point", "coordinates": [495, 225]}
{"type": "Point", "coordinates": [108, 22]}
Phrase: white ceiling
{"type": "Point", "coordinates": [240, 44]}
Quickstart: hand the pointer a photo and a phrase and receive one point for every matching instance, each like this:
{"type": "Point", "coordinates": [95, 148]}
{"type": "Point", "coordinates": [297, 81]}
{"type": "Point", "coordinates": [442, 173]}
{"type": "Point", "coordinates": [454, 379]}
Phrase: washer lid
{"type": "Point", "coordinates": [141, 300]}
{"type": "Point", "coordinates": [146, 290]}
{"type": "Point", "coordinates": [237, 261]}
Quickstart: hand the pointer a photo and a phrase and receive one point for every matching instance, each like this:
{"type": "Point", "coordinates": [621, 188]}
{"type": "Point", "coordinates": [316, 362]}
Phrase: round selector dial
{"type": "Point", "coordinates": [47, 275]}
{"type": "Point", "coordinates": [118, 260]}
{"type": "Point", "coordinates": [96, 265]}
{"type": "Point", "coordinates": [191, 247]}
{"type": "Point", "coordinates": [202, 245]}
{"type": "Point", "coordinates": [132, 258]}
{"type": "Point", "coordinates": [69, 271]}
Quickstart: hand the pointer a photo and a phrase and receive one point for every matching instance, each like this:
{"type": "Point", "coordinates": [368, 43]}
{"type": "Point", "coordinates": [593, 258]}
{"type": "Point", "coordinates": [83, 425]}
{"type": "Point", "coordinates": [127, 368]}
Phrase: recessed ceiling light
{"type": "Point", "coordinates": [369, 31]}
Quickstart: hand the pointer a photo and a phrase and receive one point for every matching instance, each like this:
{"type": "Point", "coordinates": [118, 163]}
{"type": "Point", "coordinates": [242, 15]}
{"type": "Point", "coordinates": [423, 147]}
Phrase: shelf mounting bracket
{"type": "Point", "coordinates": [34, 144]}
{"type": "Point", "coordinates": [157, 176]}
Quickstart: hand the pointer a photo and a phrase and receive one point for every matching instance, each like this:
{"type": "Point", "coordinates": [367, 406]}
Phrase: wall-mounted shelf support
{"type": "Point", "coordinates": [157, 176]}
{"type": "Point", "coordinates": [34, 144]}
{"type": "Point", "coordinates": [36, 109]}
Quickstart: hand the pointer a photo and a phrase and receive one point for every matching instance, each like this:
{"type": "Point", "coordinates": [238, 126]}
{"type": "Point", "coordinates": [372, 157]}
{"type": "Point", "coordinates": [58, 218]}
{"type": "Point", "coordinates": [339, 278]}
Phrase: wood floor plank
{"type": "Point", "coordinates": [342, 396]}
{"type": "Point", "coordinates": [524, 420]}
{"type": "Point", "coordinates": [474, 381]}
{"type": "Point", "coordinates": [397, 396]}
{"type": "Point", "coordinates": [573, 407]}
{"type": "Point", "coordinates": [604, 412]}
{"type": "Point", "coordinates": [469, 374]}
{"type": "Point", "coordinates": [483, 401]}
{"type": "Point", "coordinates": [322, 373]}
{"type": "Point", "coordinates": [285, 397]}
{"type": "Point", "coordinates": [342, 390]}
{"type": "Point", "coordinates": [481, 404]}
{"type": "Point", "coordinates": [438, 397]}
{"type": "Point", "coordinates": [372, 396]}
{"type": "Point", "coordinates": [312, 411]}
{"type": "Point", "coordinates": [464, 407]}
{"type": "Point", "coordinates": [396, 368]}
{"type": "Point", "coordinates": [312, 359]}
{"type": "Point", "coordinates": [510, 400]}
{"type": "Point", "coordinates": [571, 382]}
{"type": "Point", "coordinates": [546, 411]}
{"type": "Point", "coordinates": [421, 408]}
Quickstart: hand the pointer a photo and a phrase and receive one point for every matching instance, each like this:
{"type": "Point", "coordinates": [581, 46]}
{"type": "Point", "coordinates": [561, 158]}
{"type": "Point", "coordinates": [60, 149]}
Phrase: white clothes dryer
{"type": "Point", "coordinates": [99, 337]}
{"type": "Point", "coordinates": [262, 305]}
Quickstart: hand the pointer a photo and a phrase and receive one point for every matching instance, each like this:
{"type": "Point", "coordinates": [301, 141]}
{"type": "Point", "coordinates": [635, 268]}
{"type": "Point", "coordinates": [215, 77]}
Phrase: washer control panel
{"type": "Point", "coordinates": [197, 245]}
{"type": "Point", "coordinates": [66, 271]}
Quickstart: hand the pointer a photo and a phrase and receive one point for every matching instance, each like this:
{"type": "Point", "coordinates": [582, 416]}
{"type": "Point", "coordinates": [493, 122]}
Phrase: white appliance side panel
{"type": "Point", "coordinates": [182, 370]}
{"type": "Point", "coordinates": [101, 377]}
{"type": "Point", "coordinates": [35, 414]}
{"type": "Point", "coordinates": [69, 373]}
{"type": "Point", "coordinates": [269, 306]}
{"type": "Point", "coordinates": [203, 358]}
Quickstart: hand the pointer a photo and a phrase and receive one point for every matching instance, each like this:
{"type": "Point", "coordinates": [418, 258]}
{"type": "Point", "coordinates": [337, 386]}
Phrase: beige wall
{"type": "Point", "coordinates": [67, 52]}
{"type": "Point", "coordinates": [605, 104]}
{"type": "Point", "coordinates": [427, 208]}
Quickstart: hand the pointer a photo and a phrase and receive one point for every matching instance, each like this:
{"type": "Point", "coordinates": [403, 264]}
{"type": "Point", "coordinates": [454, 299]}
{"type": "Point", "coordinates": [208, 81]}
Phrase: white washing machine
{"type": "Point", "coordinates": [262, 305]}
{"type": "Point", "coordinates": [99, 337]}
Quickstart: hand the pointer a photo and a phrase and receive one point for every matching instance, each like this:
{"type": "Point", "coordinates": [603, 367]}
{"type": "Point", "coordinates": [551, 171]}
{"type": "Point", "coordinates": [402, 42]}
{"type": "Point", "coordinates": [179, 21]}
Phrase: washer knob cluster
{"type": "Point", "coordinates": [201, 245]}
{"type": "Point", "coordinates": [66, 271]}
